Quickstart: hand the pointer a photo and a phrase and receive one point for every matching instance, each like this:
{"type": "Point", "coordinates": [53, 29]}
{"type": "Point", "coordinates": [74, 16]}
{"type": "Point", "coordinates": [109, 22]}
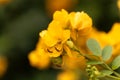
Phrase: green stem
{"type": "Point", "coordinates": [117, 74]}
{"type": "Point", "coordinates": [116, 78]}
{"type": "Point", "coordinates": [85, 55]}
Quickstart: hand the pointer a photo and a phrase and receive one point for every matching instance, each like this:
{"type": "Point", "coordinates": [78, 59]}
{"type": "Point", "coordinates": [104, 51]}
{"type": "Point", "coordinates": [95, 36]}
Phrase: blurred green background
{"type": "Point", "coordinates": [20, 24]}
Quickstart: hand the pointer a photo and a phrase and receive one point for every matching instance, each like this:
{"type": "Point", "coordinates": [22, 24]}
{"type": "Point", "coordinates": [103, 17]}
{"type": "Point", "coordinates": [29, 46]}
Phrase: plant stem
{"type": "Point", "coordinates": [87, 56]}
{"type": "Point", "coordinates": [117, 74]}
{"type": "Point", "coordinates": [116, 78]}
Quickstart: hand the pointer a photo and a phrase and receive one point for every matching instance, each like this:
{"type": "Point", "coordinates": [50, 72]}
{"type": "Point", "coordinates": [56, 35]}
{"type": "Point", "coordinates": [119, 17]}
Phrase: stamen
{"type": "Point", "coordinates": [49, 51]}
{"type": "Point", "coordinates": [57, 49]}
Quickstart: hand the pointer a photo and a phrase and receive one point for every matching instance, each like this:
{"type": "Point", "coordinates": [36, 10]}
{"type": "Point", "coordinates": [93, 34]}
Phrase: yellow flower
{"type": "Point", "coordinates": [67, 75]}
{"type": "Point", "coordinates": [54, 38]}
{"type": "Point", "coordinates": [61, 17]}
{"type": "Point", "coordinates": [55, 34]}
{"type": "Point", "coordinates": [39, 59]}
{"type": "Point", "coordinates": [114, 33]}
{"type": "Point", "coordinates": [80, 24]}
{"type": "Point", "coordinates": [115, 39]}
{"type": "Point", "coordinates": [3, 65]}
{"type": "Point", "coordinates": [73, 60]}
{"type": "Point", "coordinates": [54, 51]}
{"type": "Point", "coordinates": [80, 20]}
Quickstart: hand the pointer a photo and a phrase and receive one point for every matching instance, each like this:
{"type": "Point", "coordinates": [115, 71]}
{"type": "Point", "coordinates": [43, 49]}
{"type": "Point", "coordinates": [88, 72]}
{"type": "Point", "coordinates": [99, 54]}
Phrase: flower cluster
{"type": "Point", "coordinates": [63, 44]}
{"type": "Point", "coordinates": [61, 35]}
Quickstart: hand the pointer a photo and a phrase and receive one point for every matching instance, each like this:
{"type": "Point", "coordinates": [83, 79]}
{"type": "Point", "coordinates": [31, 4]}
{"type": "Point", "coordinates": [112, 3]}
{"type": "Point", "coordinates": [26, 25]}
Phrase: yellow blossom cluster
{"type": "Point", "coordinates": [62, 32]}
{"type": "Point", "coordinates": [63, 43]}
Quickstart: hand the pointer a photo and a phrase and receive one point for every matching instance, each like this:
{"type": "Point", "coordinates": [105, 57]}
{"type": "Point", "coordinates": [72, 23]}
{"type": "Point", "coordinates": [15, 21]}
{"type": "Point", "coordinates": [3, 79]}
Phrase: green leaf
{"type": "Point", "coordinates": [116, 63]}
{"type": "Point", "coordinates": [94, 62]}
{"type": "Point", "coordinates": [106, 72]}
{"type": "Point", "coordinates": [106, 52]}
{"type": "Point", "coordinates": [94, 47]}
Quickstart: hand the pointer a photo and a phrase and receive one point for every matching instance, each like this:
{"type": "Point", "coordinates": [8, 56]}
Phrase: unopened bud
{"type": "Point", "coordinates": [97, 72]}
{"type": "Point", "coordinates": [70, 44]}
{"type": "Point", "coordinates": [88, 66]}
{"type": "Point", "coordinates": [91, 76]}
